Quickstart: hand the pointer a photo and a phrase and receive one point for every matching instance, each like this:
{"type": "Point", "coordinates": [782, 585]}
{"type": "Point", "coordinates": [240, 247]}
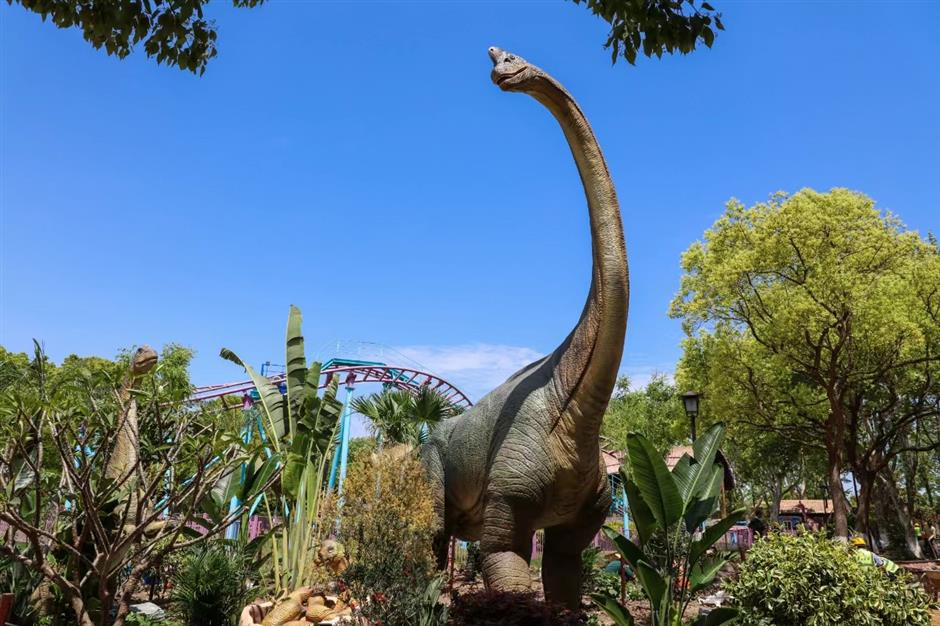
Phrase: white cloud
{"type": "Point", "coordinates": [475, 368]}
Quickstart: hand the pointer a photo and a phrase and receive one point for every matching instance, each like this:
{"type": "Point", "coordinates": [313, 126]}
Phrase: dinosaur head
{"type": "Point", "coordinates": [513, 73]}
{"type": "Point", "coordinates": [144, 360]}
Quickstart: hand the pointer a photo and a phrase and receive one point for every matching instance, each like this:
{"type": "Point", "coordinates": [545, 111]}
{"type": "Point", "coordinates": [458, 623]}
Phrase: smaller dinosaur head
{"type": "Point", "coordinates": [513, 73]}
{"type": "Point", "coordinates": [330, 549]}
{"type": "Point", "coordinates": [144, 360]}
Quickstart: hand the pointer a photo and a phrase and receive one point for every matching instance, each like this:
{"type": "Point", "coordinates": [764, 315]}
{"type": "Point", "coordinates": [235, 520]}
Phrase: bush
{"type": "Point", "coordinates": [387, 526]}
{"type": "Point", "coordinates": [209, 586]}
{"type": "Point", "coordinates": [474, 566]}
{"type": "Point", "coordinates": [808, 580]}
{"type": "Point", "coordinates": [503, 608]}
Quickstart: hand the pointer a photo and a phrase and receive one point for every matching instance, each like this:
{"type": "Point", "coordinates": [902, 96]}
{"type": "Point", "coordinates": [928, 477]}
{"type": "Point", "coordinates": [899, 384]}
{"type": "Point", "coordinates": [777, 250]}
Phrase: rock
{"type": "Point", "coordinates": [150, 610]}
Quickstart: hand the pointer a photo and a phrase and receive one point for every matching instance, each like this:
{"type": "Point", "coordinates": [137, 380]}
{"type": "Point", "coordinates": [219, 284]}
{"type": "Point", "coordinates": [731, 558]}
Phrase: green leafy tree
{"type": "Point", "coordinates": [72, 524]}
{"type": "Point", "coordinates": [655, 411]}
{"type": "Point", "coordinates": [671, 560]}
{"type": "Point", "coordinates": [179, 34]}
{"type": "Point", "coordinates": [823, 313]}
{"type": "Point", "coordinates": [655, 26]}
{"type": "Point", "coordinates": [173, 32]}
{"type": "Point", "coordinates": [399, 416]}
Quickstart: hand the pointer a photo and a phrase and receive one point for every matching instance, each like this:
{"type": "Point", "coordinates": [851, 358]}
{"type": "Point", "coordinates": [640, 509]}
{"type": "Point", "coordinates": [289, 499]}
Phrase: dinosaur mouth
{"type": "Point", "coordinates": [502, 80]}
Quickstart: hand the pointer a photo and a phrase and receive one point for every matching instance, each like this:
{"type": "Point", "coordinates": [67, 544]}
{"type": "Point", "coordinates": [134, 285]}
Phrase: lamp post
{"type": "Point", "coordinates": [690, 399]}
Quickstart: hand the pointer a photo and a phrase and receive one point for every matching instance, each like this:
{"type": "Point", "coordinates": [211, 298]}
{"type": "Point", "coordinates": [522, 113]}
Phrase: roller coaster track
{"type": "Point", "coordinates": [351, 374]}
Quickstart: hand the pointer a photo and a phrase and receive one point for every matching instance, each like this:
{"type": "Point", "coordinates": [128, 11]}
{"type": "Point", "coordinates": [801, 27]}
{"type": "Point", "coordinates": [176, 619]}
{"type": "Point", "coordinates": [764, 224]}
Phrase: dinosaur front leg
{"type": "Point", "coordinates": [506, 545]}
{"type": "Point", "coordinates": [561, 559]}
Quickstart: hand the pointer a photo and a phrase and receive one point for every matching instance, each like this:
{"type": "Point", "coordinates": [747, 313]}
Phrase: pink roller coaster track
{"type": "Point", "coordinates": [406, 378]}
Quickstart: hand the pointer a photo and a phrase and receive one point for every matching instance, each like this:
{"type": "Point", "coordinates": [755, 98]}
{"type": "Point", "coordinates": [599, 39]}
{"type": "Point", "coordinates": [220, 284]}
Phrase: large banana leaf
{"type": "Point", "coordinates": [296, 367]}
{"type": "Point", "coordinates": [711, 535]}
{"type": "Point", "coordinates": [702, 506]}
{"type": "Point", "coordinates": [716, 617]}
{"type": "Point", "coordinates": [616, 611]}
{"type": "Point", "coordinates": [627, 549]}
{"type": "Point", "coordinates": [693, 474]}
{"type": "Point", "coordinates": [653, 584]}
{"type": "Point", "coordinates": [656, 485]}
{"type": "Point", "coordinates": [272, 402]}
{"type": "Point", "coordinates": [639, 511]}
{"type": "Point", "coordinates": [704, 573]}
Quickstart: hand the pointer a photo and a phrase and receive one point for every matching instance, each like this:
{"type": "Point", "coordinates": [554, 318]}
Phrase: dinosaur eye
{"type": "Point", "coordinates": [512, 58]}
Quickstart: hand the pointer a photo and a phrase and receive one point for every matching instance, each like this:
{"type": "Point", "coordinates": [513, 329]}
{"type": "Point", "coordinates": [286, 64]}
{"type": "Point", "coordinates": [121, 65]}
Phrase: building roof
{"type": "Point", "coordinates": [809, 506]}
{"type": "Point", "coordinates": [612, 460]}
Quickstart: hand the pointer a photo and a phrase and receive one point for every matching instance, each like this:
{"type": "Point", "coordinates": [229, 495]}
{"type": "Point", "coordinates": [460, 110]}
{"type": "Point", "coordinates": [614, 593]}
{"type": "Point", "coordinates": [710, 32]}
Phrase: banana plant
{"type": "Point", "coordinates": [301, 427]}
{"type": "Point", "coordinates": [671, 510]}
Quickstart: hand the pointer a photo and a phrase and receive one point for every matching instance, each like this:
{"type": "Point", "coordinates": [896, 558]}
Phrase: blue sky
{"type": "Point", "coordinates": [355, 159]}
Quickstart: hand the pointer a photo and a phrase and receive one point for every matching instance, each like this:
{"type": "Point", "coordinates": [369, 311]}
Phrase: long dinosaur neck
{"type": "Point", "coordinates": [585, 365]}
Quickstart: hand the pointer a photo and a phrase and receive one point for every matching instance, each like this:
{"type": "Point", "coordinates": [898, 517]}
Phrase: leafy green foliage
{"type": "Point", "coordinates": [90, 536]}
{"type": "Point", "coordinates": [174, 32]}
{"type": "Point", "coordinates": [402, 417]}
{"type": "Point", "coordinates": [808, 580]}
{"type": "Point", "coordinates": [816, 317]}
{"type": "Point", "coordinates": [671, 563]}
{"type": "Point", "coordinates": [655, 411]}
{"type": "Point", "coordinates": [209, 587]}
{"type": "Point", "coordinates": [301, 428]}
{"type": "Point", "coordinates": [387, 524]}
{"type": "Point", "coordinates": [474, 565]}
{"type": "Point", "coordinates": [655, 26]}
{"type": "Point", "coordinates": [21, 581]}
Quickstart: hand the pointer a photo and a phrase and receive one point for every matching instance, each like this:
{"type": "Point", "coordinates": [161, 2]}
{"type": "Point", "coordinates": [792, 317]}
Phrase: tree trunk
{"type": "Point", "coordinates": [926, 478]}
{"type": "Point", "coordinates": [909, 461]}
{"type": "Point", "coordinates": [840, 516]}
{"type": "Point", "coordinates": [866, 481]}
{"type": "Point", "coordinates": [896, 532]}
{"type": "Point", "coordinates": [776, 495]}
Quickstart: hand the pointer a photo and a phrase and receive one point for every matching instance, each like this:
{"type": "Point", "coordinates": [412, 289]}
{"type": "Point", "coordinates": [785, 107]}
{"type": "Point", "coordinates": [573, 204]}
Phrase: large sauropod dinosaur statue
{"type": "Point", "coordinates": [527, 456]}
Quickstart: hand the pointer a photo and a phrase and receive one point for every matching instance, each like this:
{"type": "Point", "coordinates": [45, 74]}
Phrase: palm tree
{"type": "Point", "coordinates": [399, 416]}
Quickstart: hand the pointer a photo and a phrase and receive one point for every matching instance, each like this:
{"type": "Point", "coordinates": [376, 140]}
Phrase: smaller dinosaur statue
{"type": "Point", "coordinates": [125, 455]}
{"type": "Point", "coordinates": [332, 556]}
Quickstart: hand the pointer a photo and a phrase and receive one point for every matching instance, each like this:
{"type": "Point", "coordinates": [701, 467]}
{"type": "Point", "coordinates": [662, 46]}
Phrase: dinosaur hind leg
{"type": "Point", "coordinates": [561, 559]}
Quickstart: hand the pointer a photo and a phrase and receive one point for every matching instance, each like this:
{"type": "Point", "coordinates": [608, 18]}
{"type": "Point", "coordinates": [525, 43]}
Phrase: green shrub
{"type": "Point", "coordinates": [589, 570]}
{"type": "Point", "coordinates": [209, 586]}
{"type": "Point", "coordinates": [808, 580]}
{"type": "Point", "coordinates": [474, 566]}
{"type": "Point", "coordinates": [387, 525]}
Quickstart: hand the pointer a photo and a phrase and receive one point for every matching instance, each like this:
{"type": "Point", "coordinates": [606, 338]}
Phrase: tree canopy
{"type": "Point", "coordinates": [815, 316]}
{"type": "Point", "coordinates": [179, 34]}
{"type": "Point", "coordinates": [654, 411]}
{"type": "Point", "coordinates": [655, 26]}
{"type": "Point", "coordinates": [174, 32]}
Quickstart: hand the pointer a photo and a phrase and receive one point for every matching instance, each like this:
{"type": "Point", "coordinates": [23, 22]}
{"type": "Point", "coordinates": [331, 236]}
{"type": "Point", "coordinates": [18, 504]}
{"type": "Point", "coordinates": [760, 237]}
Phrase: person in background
{"type": "Point", "coordinates": [757, 524]}
{"type": "Point", "coordinates": [930, 536]}
{"type": "Point", "coordinates": [870, 558]}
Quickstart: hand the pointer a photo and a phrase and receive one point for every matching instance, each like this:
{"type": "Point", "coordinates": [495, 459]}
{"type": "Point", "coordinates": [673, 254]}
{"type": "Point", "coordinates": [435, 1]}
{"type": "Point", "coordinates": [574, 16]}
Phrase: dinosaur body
{"type": "Point", "coordinates": [527, 456]}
